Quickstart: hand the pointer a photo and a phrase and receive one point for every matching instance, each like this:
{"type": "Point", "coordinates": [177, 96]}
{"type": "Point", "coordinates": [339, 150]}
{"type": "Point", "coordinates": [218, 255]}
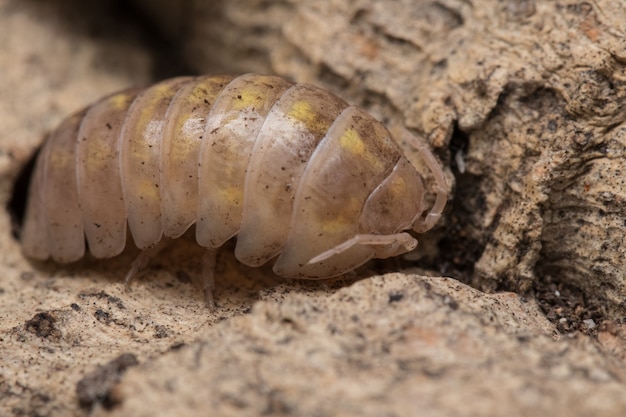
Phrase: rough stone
{"type": "Point", "coordinates": [396, 345]}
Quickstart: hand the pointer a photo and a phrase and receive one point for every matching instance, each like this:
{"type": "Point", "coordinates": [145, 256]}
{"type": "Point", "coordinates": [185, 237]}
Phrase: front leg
{"type": "Point", "coordinates": [385, 246]}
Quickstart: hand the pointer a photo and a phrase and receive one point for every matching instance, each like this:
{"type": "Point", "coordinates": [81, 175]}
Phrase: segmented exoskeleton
{"type": "Point", "coordinates": [291, 170]}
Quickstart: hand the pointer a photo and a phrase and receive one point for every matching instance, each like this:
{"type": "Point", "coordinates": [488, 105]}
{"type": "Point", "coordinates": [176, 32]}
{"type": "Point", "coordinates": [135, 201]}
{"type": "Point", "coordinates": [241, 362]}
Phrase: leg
{"type": "Point", "coordinates": [208, 277]}
{"type": "Point", "coordinates": [142, 261]}
{"type": "Point", "coordinates": [385, 246]}
{"type": "Point", "coordinates": [423, 224]}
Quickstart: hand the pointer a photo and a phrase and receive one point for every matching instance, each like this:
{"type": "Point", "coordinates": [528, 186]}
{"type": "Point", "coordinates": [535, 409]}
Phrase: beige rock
{"type": "Point", "coordinates": [398, 345]}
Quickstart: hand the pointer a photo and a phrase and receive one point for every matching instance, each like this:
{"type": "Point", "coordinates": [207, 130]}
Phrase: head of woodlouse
{"type": "Point", "coordinates": [357, 198]}
{"type": "Point", "coordinates": [292, 171]}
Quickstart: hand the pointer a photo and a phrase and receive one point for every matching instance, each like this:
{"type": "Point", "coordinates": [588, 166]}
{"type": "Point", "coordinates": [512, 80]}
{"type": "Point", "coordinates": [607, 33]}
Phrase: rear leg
{"type": "Point", "coordinates": [143, 260]}
{"type": "Point", "coordinates": [208, 269]}
{"type": "Point", "coordinates": [208, 277]}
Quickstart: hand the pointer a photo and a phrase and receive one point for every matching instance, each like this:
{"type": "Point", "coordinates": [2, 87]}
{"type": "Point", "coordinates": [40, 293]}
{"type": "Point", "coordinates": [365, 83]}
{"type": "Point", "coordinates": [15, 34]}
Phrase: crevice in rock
{"type": "Point", "coordinates": [16, 205]}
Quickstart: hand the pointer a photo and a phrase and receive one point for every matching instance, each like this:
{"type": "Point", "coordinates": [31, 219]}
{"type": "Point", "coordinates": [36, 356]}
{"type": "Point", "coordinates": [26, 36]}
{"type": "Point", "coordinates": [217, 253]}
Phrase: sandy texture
{"type": "Point", "coordinates": [396, 345]}
{"type": "Point", "coordinates": [75, 342]}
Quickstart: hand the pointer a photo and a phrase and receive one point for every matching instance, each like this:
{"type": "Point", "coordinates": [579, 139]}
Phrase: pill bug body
{"type": "Point", "coordinates": [294, 172]}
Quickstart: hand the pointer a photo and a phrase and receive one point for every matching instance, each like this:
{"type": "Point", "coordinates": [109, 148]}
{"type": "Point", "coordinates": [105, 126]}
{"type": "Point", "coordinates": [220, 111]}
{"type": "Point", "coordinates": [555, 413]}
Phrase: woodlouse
{"type": "Point", "coordinates": [291, 170]}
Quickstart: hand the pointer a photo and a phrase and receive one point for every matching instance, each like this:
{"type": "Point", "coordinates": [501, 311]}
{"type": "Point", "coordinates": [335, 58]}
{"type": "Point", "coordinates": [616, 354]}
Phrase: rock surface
{"type": "Point", "coordinates": [391, 344]}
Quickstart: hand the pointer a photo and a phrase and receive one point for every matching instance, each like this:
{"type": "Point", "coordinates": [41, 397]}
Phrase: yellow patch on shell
{"type": "Point", "coordinates": [398, 186]}
{"type": "Point", "coordinates": [344, 219]}
{"type": "Point", "coordinates": [303, 112]}
{"type": "Point", "coordinates": [99, 155]}
{"type": "Point", "coordinates": [145, 121]}
{"type": "Point", "coordinates": [247, 98]}
{"type": "Point", "coordinates": [120, 101]}
{"type": "Point", "coordinates": [148, 190]}
{"type": "Point", "coordinates": [231, 195]}
{"type": "Point", "coordinates": [352, 143]}
{"type": "Point", "coordinates": [60, 159]}
{"type": "Point", "coordinates": [179, 152]}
